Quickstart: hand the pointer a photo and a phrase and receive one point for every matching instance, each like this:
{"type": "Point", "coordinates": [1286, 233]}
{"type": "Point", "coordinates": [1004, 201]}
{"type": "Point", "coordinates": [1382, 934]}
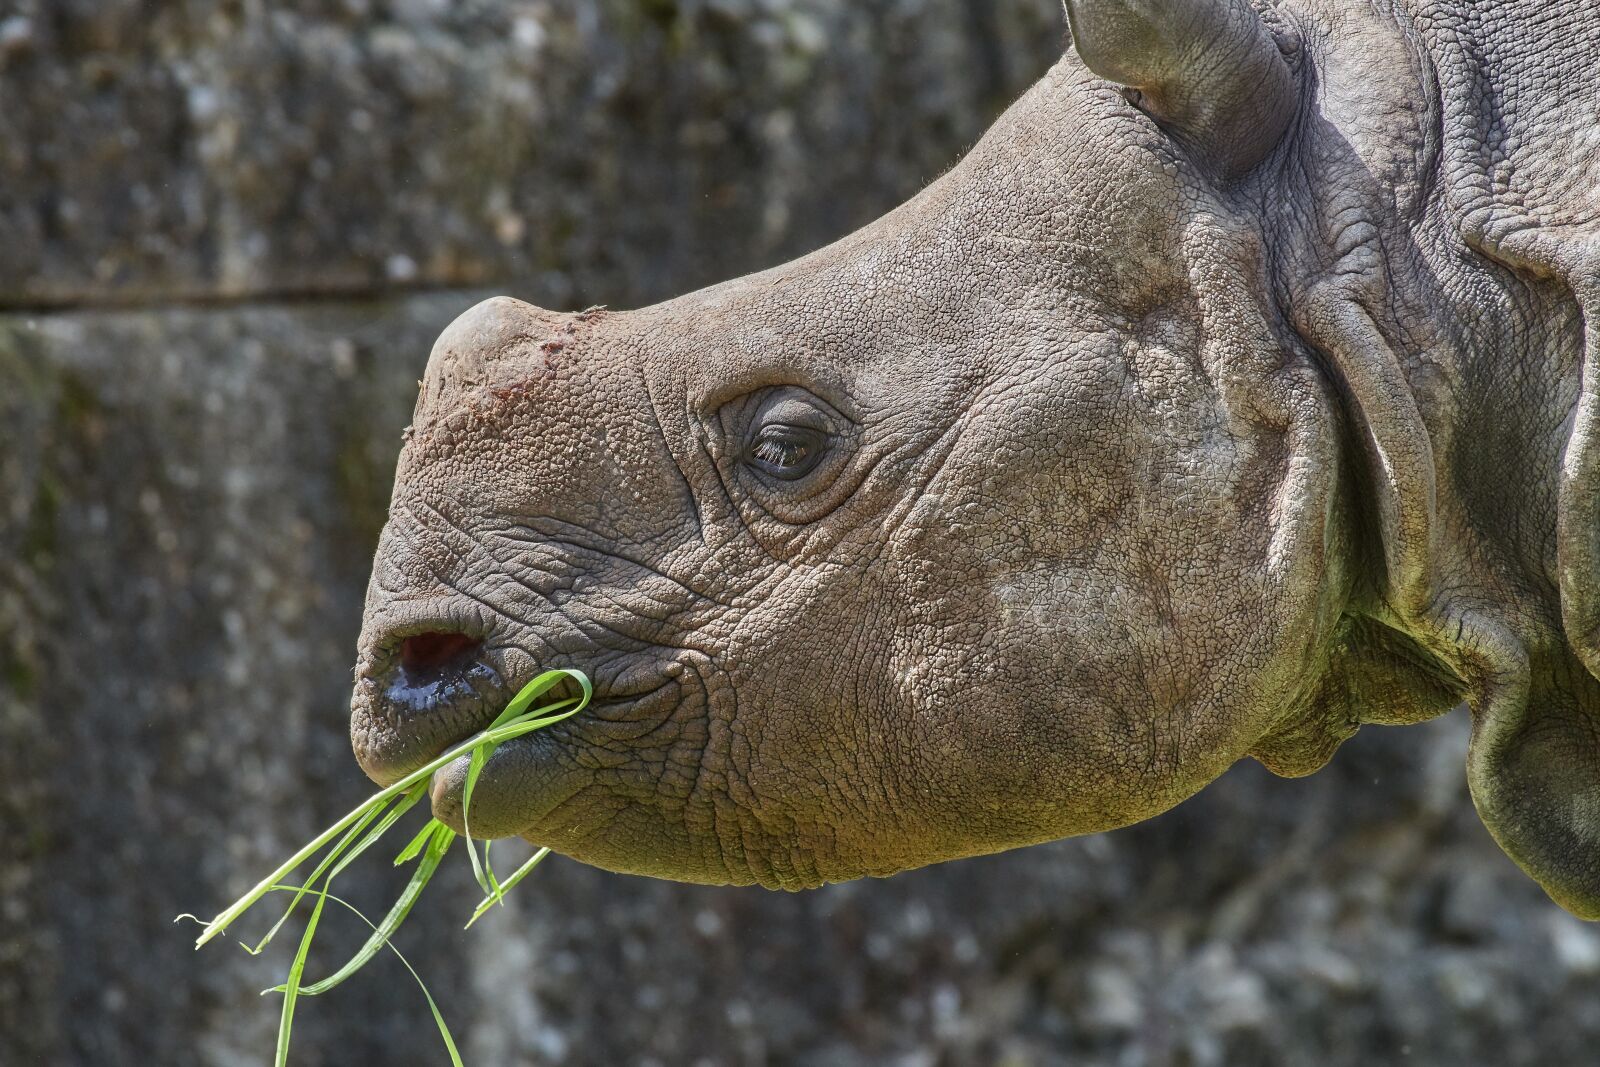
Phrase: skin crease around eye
{"type": "Point", "coordinates": [788, 409]}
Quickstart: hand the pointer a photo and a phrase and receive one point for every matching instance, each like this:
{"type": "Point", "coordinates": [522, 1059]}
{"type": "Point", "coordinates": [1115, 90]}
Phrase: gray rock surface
{"type": "Point", "coordinates": [594, 149]}
{"type": "Point", "coordinates": [189, 497]}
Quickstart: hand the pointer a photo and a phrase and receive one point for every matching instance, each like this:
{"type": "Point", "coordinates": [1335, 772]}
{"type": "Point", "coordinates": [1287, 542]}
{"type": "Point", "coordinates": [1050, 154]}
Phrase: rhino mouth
{"type": "Point", "coordinates": [428, 690]}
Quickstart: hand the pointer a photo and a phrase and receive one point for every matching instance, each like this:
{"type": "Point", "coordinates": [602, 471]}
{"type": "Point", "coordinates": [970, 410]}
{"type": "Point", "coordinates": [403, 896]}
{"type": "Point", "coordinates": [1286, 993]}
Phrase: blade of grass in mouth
{"type": "Point", "coordinates": [497, 734]}
{"type": "Point", "coordinates": [358, 830]}
{"type": "Point", "coordinates": [480, 755]}
{"type": "Point", "coordinates": [439, 842]}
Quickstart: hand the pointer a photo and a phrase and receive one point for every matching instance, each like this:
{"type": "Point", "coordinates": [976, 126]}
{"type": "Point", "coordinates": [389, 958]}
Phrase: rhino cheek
{"type": "Point", "coordinates": [1084, 620]}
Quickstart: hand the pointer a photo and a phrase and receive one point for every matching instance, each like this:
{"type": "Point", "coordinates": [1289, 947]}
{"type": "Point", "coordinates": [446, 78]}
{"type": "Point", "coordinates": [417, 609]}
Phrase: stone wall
{"type": "Point", "coordinates": [229, 230]}
{"type": "Point", "coordinates": [615, 150]}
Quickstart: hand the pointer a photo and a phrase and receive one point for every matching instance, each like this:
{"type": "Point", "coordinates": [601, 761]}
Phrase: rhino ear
{"type": "Point", "coordinates": [1208, 71]}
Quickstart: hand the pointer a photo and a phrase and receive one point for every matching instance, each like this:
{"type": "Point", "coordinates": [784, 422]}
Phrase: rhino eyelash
{"type": "Point", "coordinates": [779, 453]}
{"type": "Point", "coordinates": [787, 453]}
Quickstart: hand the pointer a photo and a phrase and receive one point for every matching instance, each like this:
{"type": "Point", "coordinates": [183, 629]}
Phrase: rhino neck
{"type": "Point", "coordinates": [1514, 250]}
{"type": "Point", "coordinates": [1454, 295]}
{"type": "Point", "coordinates": [1451, 317]}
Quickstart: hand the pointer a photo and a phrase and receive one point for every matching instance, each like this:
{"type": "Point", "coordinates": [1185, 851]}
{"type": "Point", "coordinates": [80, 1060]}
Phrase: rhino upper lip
{"type": "Point", "coordinates": [414, 707]}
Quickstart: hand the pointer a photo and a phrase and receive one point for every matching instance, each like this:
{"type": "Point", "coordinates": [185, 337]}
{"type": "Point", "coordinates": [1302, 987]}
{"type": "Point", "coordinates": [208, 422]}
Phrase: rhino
{"type": "Point", "coordinates": [1237, 389]}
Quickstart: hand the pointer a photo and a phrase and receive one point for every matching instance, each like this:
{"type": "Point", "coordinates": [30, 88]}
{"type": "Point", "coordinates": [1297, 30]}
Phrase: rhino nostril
{"type": "Point", "coordinates": [423, 654]}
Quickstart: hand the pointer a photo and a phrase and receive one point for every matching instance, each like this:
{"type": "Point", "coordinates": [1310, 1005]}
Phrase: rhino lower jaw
{"type": "Point", "coordinates": [508, 797]}
{"type": "Point", "coordinates": [528, 777]}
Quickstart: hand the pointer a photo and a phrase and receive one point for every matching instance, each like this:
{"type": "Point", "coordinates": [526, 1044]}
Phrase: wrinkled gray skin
{"type": "Point", "coordinates": [1233, 392]}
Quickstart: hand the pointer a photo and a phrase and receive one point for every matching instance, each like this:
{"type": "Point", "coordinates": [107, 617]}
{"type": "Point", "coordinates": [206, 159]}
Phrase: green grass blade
{"type": "Point", "coordinates": [415, 846]}
{"type": "Point", "coordinates": [381, 933]}
{"type": "Point", "coordinates": [244, 903]}
{"type": "Point", "coordinates": [474, 768]}
{"type": "Point", "coordinates": [291, 990]}
{"type": "Point", "coordinates": [344, 852]}
{"type": "Point", "coordinates": [438, 1018]}
{"type": "Point", "coordinates": [514, 721]}
{"type": "Point", "coordinates": [537, 688]}
{"type": "Point", "coordinates": [239, 907]}
{"type": "Point", "coordinates": [332, 855]}
{"type": "Point", "coordinates": [488, 869]}
{"type": "Point", "coordinates": [506, 886]}
{"type": "Point", "coordinates": [360, 828]}
{"type": "Point", "coordinates": [481, 871]}
{"type": "Point", "coordinates": [405, 804]}
{"type": "Point", "coordinates": [501, 734]}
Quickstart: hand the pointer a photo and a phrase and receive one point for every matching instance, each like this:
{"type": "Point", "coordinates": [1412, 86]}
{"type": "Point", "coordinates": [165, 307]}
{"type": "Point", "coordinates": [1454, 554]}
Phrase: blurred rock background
{"type": "Point", "coordinates": [229, 231]}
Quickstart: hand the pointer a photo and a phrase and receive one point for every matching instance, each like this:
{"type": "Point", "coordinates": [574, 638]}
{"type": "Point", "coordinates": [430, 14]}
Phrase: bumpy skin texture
{"type": "Point", "coordinates": [1205, 412]}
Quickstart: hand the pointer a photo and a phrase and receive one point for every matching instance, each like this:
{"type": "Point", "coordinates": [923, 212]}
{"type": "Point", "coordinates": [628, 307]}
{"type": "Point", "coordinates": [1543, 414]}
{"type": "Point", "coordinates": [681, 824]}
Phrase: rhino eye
{"type": "Point", "coordinates": [786, 452]}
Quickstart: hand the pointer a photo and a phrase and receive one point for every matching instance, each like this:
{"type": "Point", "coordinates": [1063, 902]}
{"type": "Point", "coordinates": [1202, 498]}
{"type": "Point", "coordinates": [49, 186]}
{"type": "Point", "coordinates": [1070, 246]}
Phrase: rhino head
{"type": "Point", "coordinates": [1021, 513]}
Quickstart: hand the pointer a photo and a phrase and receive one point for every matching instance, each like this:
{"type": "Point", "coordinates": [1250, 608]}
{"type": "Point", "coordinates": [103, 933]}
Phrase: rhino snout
{"type": "Point", "coordinates": [418, 691]}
